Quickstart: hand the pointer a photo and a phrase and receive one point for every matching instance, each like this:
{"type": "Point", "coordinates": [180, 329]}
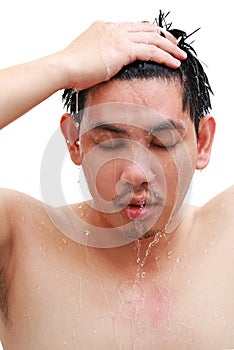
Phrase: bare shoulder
{"type": "Point", "coordinates": [9, 194]}
{"type": "Point", "coordinates": [223, 202]}
{"type": "Point", "coordinates": [218, 214]}
{"type": "Point", "coordinates": [18, 211]}
{"type": "Point", "coordinates": [13, 203]}
{"type": "Point", "coordinates": [21, 214]}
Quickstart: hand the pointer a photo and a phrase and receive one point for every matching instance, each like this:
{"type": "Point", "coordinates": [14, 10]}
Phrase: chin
{"type": "Point", "coordinates": [148, 235]}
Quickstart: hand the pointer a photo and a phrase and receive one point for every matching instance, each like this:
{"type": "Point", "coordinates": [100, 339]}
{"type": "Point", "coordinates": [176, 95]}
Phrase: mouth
{"type": "Point", "coordinates": [140, 210]}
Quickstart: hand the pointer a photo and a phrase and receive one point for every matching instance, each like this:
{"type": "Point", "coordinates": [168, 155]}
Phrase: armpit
{"type": "Point", "coordinates": [4, 295]}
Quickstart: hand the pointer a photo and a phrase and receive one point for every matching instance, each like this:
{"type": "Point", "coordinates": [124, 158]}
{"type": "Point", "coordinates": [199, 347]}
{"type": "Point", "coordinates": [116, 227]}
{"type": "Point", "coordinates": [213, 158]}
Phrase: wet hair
{"type": "Point", "coordinates": [196, 88]}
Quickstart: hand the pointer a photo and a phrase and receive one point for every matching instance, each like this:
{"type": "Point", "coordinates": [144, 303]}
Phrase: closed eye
{"type": "Point", "coordinates": [166, 139]}
{"type": "Point", "coordinates": [111, 144]}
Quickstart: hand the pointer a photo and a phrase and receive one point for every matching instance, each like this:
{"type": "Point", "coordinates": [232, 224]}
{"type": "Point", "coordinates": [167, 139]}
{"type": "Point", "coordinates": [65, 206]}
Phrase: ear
{"type": "Point", "coordinates": [70, 132]}
{"type": "Point", "coordinates": [206, 133]}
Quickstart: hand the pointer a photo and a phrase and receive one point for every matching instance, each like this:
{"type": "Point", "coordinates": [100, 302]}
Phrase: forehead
{"type": "Point", "coordinates": [141, 103]}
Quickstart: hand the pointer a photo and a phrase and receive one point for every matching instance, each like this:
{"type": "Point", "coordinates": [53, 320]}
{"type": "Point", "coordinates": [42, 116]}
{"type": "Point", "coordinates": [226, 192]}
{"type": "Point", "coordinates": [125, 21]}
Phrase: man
{"type": "Point", "coordinates": [163, 279]}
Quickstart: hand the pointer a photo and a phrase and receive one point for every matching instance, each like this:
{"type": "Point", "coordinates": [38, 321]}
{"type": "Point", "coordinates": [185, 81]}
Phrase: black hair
{"type": "Point", "coordinates": [196, 88]}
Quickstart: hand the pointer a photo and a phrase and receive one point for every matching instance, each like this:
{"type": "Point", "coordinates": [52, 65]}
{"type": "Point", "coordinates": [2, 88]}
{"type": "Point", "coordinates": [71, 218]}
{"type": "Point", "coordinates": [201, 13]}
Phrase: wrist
{"type": "Point", "coordinates": [58, 70]}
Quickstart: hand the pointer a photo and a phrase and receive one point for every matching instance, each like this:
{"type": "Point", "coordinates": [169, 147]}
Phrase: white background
{"type": "Point", "coordinates": [31, 29]}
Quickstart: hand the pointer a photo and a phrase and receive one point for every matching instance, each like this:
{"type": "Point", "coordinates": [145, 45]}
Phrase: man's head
{"type": "Point", "coordinates": [141, 136]}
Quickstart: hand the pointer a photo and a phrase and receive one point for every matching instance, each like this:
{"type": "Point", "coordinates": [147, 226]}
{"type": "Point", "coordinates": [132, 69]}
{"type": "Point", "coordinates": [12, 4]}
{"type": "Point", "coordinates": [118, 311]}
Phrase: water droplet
{"type": "Point", "coordinates": [178, 259]}
{"type": "Point", "coordinates": [82, 215]}
{"type": "Point", "coordinates": [143, 274]}
{"type": "Point", "coordinates": [169, 254]}
{"type": "Point", "coordinates": [86, 233]}
{"type": "Point", "coordinates": [64, 241]}
{"type": "Point", "coordinates": [138, 275]}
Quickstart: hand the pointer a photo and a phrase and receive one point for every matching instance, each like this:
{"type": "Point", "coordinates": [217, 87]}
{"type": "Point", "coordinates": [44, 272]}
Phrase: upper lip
{"type": "Point", "coordinates": [141, 200]}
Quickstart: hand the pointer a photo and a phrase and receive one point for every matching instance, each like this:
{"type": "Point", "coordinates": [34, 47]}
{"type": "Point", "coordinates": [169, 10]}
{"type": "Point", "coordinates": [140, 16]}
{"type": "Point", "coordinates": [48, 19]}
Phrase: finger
{"type": "Point", "coordinates": [145, 26]}
{"type": "Point", "coordinates": [153, 53]}
{"type": "Point", "coordinates": [136, 26]}
{"type": "Point", "coordinates": [169, 36]}
{"type": "Point", "coordinates": [159, 41]}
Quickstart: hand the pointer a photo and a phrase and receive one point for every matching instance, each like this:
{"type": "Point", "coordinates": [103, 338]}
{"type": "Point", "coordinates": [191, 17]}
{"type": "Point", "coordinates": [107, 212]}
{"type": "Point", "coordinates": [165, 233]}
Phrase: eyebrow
{"type": "Point", "coordinates": [112, 128]}
{"type": "Point", "coordinates": [170, 124]}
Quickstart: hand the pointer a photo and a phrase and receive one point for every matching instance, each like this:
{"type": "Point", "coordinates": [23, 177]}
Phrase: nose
{"type": "Point", "coordinates": [136, 176]}
{"type": "Point", "coordinates": [140, 169]}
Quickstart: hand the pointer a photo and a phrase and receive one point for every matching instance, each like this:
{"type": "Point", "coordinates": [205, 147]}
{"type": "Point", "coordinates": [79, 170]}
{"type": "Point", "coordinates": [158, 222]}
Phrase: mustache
{"type": "Point", "coordinates": [150, 196]}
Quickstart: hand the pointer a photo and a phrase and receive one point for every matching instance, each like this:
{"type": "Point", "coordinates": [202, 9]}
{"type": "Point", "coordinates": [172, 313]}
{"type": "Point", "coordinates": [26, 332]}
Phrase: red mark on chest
{"type": "Point", "coordinates": [150, 306]}
{"type": "Point", "coordinates": [157, 305]}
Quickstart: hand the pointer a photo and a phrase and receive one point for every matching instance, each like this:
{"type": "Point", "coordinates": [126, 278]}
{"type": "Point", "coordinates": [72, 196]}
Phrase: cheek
{"type": "Point", "coordinates": [101, 173]}
{"type": "Point", "coordinates": [178, 168]}
{"type": "Point", "coordinates": [106, 180]}
{"type": "Point", "coordinates": [180, 173]}
{"type": "Point", "coordinates": [171, 177]}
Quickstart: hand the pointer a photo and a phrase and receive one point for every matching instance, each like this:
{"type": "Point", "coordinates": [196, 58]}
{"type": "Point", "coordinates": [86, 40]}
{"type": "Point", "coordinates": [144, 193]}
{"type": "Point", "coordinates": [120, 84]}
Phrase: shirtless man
{"type": "Point", "coordinates": [133, 268]}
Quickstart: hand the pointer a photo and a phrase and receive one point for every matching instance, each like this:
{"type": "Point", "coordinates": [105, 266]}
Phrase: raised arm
{"type": "Point", "coordinates": [95, 56]}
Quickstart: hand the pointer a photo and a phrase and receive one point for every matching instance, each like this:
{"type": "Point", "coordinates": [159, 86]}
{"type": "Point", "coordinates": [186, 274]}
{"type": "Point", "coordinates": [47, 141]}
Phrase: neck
{"type": "Point", "coordinates": [153, 253]}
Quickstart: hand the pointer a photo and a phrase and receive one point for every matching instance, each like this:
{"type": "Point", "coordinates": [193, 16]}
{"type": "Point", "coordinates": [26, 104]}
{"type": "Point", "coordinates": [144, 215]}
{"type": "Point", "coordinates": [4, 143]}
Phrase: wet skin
{"type": "Point", "coordinates": [138, 148]}
{"type": "Point", "coordinates": [65, 295]}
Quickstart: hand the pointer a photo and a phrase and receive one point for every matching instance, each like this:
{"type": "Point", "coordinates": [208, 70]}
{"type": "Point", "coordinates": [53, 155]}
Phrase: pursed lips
{"type": "Point", "coordinates": [141, 207]}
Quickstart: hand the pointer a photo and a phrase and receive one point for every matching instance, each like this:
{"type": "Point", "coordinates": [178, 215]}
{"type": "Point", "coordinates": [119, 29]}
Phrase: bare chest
{"type": "Point", "coordinates": [56, 307]}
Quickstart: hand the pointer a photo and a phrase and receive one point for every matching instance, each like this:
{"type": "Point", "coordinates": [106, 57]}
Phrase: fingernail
{"type": "Point", "coordinates": [176, 62]}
